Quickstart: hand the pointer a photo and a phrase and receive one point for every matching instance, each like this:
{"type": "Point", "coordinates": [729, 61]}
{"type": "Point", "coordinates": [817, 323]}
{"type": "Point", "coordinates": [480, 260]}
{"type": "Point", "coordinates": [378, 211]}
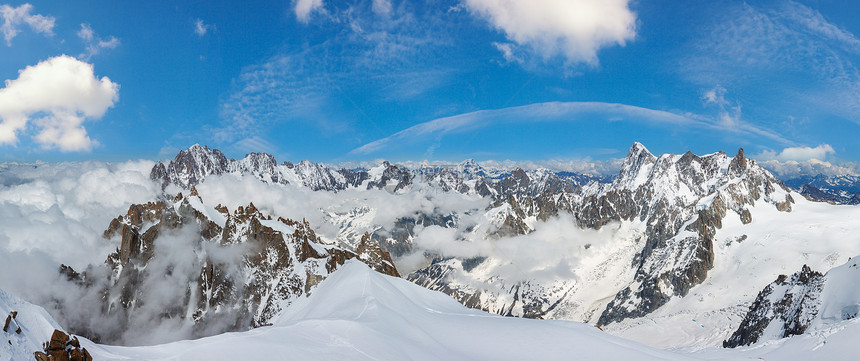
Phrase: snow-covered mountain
{"type": "Point", "coordinates": [669, 208]}
{"type": "Point", "coordinates": [191, 166]}
{"type": "Point", "coordinates": [653, 235]}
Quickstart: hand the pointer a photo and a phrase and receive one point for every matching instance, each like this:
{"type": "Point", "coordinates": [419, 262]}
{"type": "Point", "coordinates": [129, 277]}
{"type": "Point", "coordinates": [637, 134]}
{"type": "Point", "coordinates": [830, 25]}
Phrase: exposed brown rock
{"type": "Point", "coordinates": [58, 340]}
{"type": "Point", "coordinates": [785, 206]}
{"type": "Point", "coordinates": [62, 347]}
{"type": "Point", "coordinates": [75, 354]}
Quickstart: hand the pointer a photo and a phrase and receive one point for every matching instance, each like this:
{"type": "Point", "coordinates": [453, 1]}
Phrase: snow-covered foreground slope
{"type": "Point", "coordinates": [34, 323]}
{"type": "Point", "coordinates": [358, 314]}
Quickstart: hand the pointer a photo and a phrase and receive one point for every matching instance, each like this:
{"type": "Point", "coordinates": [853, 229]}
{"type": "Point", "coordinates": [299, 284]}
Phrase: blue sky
{"type": "Point", "coordinates": [339, 81]}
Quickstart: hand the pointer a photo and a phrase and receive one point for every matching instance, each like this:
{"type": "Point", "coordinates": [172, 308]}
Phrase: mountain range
{"type": "Point", "coordinates": [673, 251]}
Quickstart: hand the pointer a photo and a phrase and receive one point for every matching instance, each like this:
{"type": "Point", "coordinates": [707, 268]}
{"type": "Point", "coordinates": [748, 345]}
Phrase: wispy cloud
{"type": "Point", "coordinates": [94, 43]}
{"type": "Point", "coordinates": [326, 85]}
{"type": "Point", "coordinates": [304, 8]}
{"type": "Point", "coordinates": [788, 47]}
{"type": "Point", "coordinates": [201, 28]}
{"type": "Point", "coordinates": [13, 18]}
{"type": "Point", "coordinates": [575, 30]}
{"type": "Point", "coordinates": [560, 113]}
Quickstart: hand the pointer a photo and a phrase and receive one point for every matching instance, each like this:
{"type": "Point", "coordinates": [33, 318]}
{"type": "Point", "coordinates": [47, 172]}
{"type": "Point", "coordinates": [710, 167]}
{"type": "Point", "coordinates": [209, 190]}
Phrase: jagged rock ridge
{"type": "Point", "coordinates": [229, 270]}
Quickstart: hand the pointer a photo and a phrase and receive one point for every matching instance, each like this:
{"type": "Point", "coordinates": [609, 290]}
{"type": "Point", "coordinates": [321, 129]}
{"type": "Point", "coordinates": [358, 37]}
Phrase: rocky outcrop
{"type": "Point", "coordinates": [63, 347]}
{"type": "Point", "coordinates": [11, 323]}
{"type": "Point", "coordinates": [785, 307]}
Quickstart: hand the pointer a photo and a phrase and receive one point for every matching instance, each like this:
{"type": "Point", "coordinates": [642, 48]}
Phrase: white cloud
{"type": "Point", "coordinates": [507, 50]}
{"type": "Point", "coordinates": [58, 95]}
{"type": "Point", "coordinates": [86, 33]}
{"type": "Point", "coordinates": [94, 44]}
{"type": "Point", "coordinates": [201, 28]}
{"type": "Point", "coordinates": [574, 29]}
{"type": "Point", "coordinates": [14, 17]}
{"type": "Point", "coordinates": [304, 8]}
{"type": "Point", "coordinates": [798, 154]}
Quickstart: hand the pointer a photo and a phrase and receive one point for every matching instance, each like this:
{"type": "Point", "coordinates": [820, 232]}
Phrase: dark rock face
{"type": "Point", "coordinates": [790, 302]}
{"type": "Point", "coordinates": [229, 271]}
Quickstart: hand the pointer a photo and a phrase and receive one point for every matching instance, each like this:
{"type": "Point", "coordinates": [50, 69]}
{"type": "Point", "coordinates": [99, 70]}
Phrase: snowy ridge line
{"type": "Point", "coordinates": [190, 167]}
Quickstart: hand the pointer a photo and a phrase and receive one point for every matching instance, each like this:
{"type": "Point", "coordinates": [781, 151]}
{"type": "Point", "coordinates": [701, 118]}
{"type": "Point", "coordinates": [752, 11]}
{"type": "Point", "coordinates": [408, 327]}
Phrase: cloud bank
{"type": "Point", "coordinates": [13, 18]}
{"type": "Point", "coordinates": [56, 95]}
{"type": "Point", "coordinates": [795, 162]}
{"type": "Point", "coordinates": [798, 154]}
{"type": "Point", "coordinates": [574, 29]}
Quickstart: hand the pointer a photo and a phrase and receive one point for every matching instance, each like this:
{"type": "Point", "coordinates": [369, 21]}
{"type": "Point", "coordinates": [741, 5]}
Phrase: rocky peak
{"type": "Point", "coordinates": [392, 178]}
{"type": "Point", "coordinates": [739, 163]}
{"type": "Point", "coordinates": [470, 169]}
{"type": "Point", "coordinates": [190, 166]}
{"type": "Point", "coordinates": [635, 168]}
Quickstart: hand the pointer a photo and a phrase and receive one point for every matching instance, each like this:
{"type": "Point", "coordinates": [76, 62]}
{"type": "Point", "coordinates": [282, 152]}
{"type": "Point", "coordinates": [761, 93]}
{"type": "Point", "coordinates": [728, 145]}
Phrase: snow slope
{"type": "Point", "coordinates": [35, 323]}
{"type": "Point", "coordinates": [358, 314]}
